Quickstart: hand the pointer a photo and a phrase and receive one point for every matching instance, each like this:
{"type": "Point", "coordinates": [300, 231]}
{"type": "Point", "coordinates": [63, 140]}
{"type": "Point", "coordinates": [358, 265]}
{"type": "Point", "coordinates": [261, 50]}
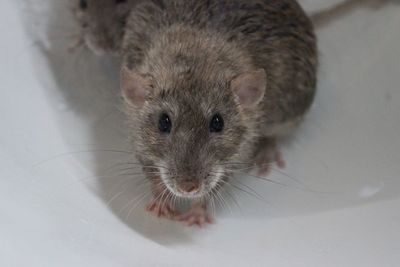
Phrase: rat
{"type": "Point", "coordinates": [208, 86]}
{"type": "Point", "coordinates": [102, 23]}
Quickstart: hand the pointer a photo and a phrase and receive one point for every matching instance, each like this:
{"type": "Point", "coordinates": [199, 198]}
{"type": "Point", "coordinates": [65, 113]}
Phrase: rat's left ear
{"type": "Point", "coordinates": [250, 87]}
{"type": "Point", "coordinates": [135, 87]}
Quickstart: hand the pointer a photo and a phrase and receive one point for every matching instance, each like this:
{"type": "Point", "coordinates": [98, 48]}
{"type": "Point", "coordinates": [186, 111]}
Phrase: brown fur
{"type": "Point", "coordinates": [191, 50]}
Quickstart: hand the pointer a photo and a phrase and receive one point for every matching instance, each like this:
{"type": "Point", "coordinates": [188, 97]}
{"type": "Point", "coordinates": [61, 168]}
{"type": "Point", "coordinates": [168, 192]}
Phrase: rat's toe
{"type": "Point", "coordinates": [196, 215]}
{"type": "Point", "coordinates": [162, 209]}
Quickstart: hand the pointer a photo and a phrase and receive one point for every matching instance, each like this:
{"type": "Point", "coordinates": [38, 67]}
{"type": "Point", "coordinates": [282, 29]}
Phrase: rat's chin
{"type": "Point", "coordinates": [198, 193]}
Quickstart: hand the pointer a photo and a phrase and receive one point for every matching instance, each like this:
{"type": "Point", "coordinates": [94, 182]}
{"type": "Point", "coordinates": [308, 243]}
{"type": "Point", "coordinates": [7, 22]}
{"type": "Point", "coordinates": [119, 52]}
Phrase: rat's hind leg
{"type": "Point", "coordinates": [161, 203]}
{"type": "Point", "coordinates": [266, 154]}
{"type": "Point", "coordinates": [197, 214]}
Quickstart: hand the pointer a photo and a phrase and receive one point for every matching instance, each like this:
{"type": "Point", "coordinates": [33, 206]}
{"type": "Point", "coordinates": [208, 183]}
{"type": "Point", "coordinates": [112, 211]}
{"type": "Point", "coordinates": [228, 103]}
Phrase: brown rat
{"type": "Point", "coordinates": [208, 86]}
{"type": "Point", "coordinates": [102, 23]}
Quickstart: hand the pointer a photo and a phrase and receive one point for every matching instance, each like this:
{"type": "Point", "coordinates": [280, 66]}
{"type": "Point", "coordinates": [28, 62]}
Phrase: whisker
{"type": "Point", "coordinates": [303, 187]}
{"type": "Point", "coordinates": [138, 184]}
{"type": "Point", "coordinates": [261, 178]}
{"type": "Point", "coordinates": [78, 152]}
{"type": "Point", "coordinates": [223, 201]}
{"type": "Point", "coordinates": [234, 163]}
{"type": "Point", "coordinates": [288, 176]}
{"type": "Point", "coordinates": [137, 164]}
{"type": "Point", "coordinates": [113, 176]}
{"type": "Point", "coordinates": [257, 196]}
{"type": "Point", "coordinates": [137, 204]}
{"type": "Point", "coordinates": [174, 201]}
{"type": "Point", "coordinates": [162, 198]}
{"type": "Point", "coordinates": [108, 204]}
{"type": "Point", "coordinates": [254, 194]}
{"type": "Point", "coordinates": [285, 185]}
{"type": "Point", "coordinates": [212, 202]}
{"type": "Point", "coordinates": [131, 201]}
{"type": "Point", "coordinates": [268, 164]}
{"type": "Point", "coordinates": [248, 187]}
{"type": "Point", "coordinates": [234, 200]}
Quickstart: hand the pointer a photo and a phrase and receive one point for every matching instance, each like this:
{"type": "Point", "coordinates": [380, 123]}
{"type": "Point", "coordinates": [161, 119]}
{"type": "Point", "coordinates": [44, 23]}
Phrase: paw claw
{"type": "Point", "coordinates": [196, 215]}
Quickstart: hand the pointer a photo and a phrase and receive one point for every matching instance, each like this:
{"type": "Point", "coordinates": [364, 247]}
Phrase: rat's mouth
{"type": "Point", "coordinates": [191, 188]}
{"type": "Point", "coordinates": [186, 189]}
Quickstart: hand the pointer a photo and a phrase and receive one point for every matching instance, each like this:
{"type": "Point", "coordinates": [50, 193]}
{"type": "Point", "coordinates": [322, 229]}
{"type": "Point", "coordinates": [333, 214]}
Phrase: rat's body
{"type": "Point", "coordinates": [209, 85]}
{"type": "Point", "coordinates": [102, 23]}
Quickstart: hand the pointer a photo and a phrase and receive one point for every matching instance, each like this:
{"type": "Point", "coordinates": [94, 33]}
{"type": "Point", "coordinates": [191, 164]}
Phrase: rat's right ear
{"type": "Point", "coordinates": [134, 86]}
{"type": "Point", "coordinates": [249, 87]}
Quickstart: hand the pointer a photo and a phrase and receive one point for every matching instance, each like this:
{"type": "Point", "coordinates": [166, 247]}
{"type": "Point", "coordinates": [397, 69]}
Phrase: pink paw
{"type": "Point", "coordinates": [196, 215]}
{"type": "Point", "coordinates": [162, 209]}
{"type": "Point", "coordinates": [266, 158]}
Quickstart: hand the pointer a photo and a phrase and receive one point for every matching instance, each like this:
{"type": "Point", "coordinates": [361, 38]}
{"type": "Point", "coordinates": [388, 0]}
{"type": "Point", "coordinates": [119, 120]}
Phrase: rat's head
{"type": "Point", "coordinates": [190, 129]}
{"type": "Point", "coordinates": [102, 23]}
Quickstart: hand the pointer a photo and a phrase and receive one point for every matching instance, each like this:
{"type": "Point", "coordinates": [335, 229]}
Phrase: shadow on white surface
{"type": "Point", "coordinates": [345, 155]}
{"type": "Point", "coordinates": [321, 174]}
{"type": "Point", "coordinates": [88, 88]}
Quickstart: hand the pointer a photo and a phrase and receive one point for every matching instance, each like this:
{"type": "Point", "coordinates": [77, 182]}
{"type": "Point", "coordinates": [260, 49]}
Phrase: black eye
{"type": "Point", "coordinates": [120, 1]}
{"type": "Point", "coordinates": [83, 4]}
{"type": "Point", "coordinates": [216, 124]}
{"type": "Point", "coordinates": [164, 124]}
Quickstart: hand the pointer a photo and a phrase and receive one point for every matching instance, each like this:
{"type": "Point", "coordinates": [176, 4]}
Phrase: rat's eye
{"type": "Point", "coordinates": [83, 4]}
{"type": "Point", "coordinates": [164, 123]}
{"type": "Point", "coordinates": [120, 1]}
{"type": "Point", "coordinates": [216, 124]}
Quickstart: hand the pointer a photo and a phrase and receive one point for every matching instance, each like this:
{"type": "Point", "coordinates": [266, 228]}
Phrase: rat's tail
{"type": "Point", "coordinates": [326, 16]}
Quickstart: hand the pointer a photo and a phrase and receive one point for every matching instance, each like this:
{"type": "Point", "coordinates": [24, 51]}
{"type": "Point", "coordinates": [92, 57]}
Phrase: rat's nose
{"type": "Point", "coordinates": [188, 187]}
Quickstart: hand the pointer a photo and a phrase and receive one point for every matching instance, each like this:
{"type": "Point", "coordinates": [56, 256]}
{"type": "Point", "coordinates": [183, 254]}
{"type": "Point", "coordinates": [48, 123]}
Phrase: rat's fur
{"type": "Point", "coordinates": [190, 51]}
{"type": "Point", "coordinates": [102, 23]}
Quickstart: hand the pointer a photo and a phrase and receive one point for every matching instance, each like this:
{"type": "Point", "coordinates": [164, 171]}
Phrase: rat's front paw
{"type": "Point", "coordinates": [268, 154]}
{"type": "Point", "coordinates": [162, 209]}
{"type": "Point", "coordinates": [196, 215]}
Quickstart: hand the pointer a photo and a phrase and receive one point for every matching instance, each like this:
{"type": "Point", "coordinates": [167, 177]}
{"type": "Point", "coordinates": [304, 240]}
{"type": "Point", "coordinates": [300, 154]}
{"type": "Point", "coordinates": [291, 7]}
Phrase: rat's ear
{"type": "Point", "coordinates": [135, 87]}
{"type": "Point", "coordinates": [250, 87]}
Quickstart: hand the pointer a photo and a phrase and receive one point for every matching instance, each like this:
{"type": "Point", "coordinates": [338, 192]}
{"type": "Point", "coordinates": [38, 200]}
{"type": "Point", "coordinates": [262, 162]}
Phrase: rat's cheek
{"type": "Point", "coordinates": [161, 150]}
{"type": "Point", "coordinates": [224, 152]}
{"type": "Point", "coordinates": [215, 177]}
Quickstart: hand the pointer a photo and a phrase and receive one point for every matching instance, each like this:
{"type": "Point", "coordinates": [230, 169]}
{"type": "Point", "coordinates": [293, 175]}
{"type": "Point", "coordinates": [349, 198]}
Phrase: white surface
{"type": "Point", "coordinates": [53, 195]}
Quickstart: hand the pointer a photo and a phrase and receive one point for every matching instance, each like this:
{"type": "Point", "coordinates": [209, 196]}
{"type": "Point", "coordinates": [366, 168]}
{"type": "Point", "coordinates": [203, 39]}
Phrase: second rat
{"type": "Point", "coordinates": [102, 23]}
{"type": "Point", "coordinates": [208, 87]}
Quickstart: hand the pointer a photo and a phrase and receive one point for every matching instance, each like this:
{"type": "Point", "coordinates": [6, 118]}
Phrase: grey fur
{"type": "Point", "coordinates": [191, 50]}
{"type": "Point", "coordinates": [102, 23]}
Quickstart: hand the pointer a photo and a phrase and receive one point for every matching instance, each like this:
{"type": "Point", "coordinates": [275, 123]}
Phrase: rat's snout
{"type": "Point", "coordinates": [188, 186]}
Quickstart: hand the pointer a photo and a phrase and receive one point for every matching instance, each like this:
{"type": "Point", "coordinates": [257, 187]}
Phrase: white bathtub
{"type": "Point", "coordinates": [64, 202]}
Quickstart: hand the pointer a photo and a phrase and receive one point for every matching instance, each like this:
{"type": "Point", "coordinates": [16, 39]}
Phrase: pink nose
{"type": "Point", "coordinates": [188, 187]}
